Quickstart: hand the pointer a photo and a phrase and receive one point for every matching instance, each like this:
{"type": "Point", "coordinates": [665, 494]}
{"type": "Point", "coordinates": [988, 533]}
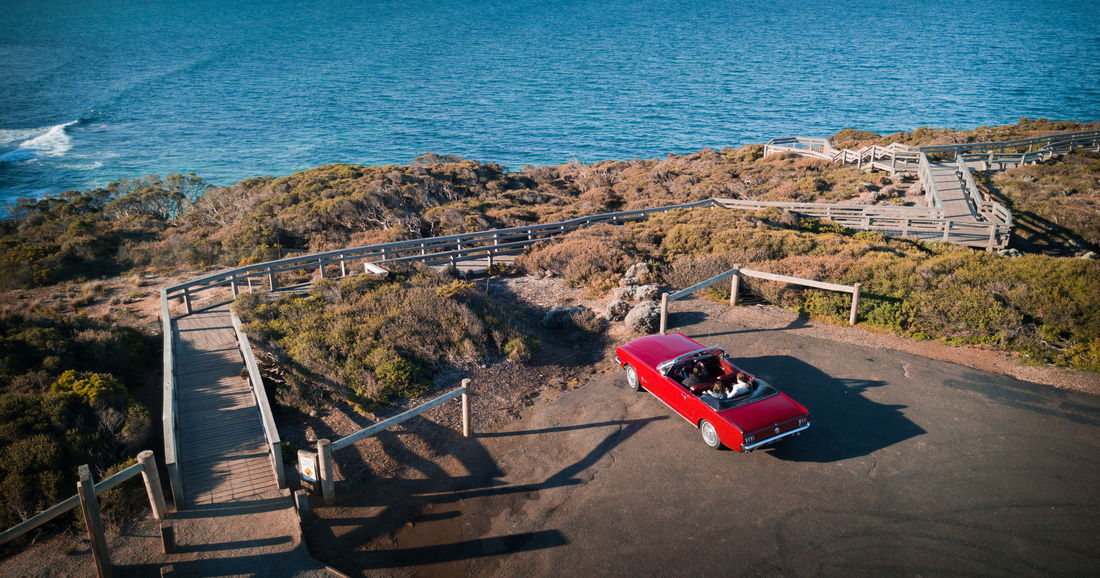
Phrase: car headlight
{"type": "Point", "coordinates": [803, 421]}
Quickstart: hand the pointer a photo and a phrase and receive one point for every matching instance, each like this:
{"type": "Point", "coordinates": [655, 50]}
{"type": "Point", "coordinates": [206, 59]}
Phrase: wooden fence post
{"type": "Point", "coordinates": [270, 279]}
{"type": "Point", "coordinates": [324, 471]}
{"type": "Point", "coordinates": [735, 284]}
{"type": "Point", "coordinates": [187, 299]}
{"type": "Point", "coordinates": [89, 505]}
{"type": "Point", "coordinates": [152, 483]}
{"type": "Point", "coordinates": [664, 312]}
{"type": "Point", "coordinates": [343, 267]}
{"type": "Point", "coordinates": [466, 408]}
{"type": "Point", "coordinates": [233, 285]}
{"type": "Point", "coordinates": [855, 304]}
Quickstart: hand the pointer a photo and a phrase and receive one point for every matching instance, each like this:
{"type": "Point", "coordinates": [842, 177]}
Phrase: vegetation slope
{"type": "Point", "coordinates": [68, 382]}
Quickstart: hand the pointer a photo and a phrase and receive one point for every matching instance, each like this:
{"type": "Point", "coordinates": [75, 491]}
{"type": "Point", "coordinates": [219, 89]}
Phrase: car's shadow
{"type": "Point", "coordinates": [844, 423]}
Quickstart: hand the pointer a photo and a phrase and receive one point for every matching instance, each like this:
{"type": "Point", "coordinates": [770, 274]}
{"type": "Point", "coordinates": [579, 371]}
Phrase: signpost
{"type": "Point", "coordinates": [307, 468]}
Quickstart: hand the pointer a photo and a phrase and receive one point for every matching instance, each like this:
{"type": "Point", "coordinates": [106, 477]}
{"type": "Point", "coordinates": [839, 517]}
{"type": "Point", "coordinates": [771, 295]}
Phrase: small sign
{"type": "Point", "coordinates": [307, 466]}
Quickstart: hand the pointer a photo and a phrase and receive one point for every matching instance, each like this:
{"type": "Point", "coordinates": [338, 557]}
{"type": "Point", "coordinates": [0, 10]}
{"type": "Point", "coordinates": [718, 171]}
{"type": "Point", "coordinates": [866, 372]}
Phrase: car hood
{"type": "Point", "coordinates": [654, 349]}
{"type": "Point", "coordinates": [763, 413]}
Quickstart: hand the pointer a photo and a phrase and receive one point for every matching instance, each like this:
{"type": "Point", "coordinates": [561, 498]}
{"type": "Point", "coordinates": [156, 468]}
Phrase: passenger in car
{"type": "Point", "coordinates": [718, 391]}
{"type": "Point", "coordinates": [696, 374]}
{"type": "Point", "coordinates": [743, 385]}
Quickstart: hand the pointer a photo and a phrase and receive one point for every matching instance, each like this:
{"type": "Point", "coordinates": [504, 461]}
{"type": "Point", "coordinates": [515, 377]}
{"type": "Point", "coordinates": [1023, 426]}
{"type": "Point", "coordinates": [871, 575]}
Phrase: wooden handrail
{"type": "Point", "coordinates": [168, 403]}
{"type": "Point", "coordinates": [259, 393]}
{"type": "Point", "coordinates": [156, 497]}
{"type": "Point", "coordinates": [735, 274]}
{"type": "Point", "coordinates": [540, 231]}
{"type": "Point", "coordinates": [402, 417]}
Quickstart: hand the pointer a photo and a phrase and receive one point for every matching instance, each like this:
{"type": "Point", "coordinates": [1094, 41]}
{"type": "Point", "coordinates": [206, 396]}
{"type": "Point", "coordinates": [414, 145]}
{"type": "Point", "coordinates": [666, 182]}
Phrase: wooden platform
{"type": "Point", "coordinates": [952, 192]}
{"type": "Point", "coordinates": [222, 450]}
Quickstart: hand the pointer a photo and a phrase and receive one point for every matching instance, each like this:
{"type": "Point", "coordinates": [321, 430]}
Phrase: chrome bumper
{"type": "Point", "coordinates": [773, 439]}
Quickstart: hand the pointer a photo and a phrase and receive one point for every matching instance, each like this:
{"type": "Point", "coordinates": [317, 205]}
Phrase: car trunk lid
{"type": "Point", "coordinates": [769, 413]}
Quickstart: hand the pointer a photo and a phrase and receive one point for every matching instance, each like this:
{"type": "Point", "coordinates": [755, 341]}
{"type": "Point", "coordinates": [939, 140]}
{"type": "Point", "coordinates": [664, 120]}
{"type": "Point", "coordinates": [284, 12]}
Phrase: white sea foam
{"type": "Point", "coordinates": [84, 166]}
{"type": "Point", "coordinates": [50, 141]}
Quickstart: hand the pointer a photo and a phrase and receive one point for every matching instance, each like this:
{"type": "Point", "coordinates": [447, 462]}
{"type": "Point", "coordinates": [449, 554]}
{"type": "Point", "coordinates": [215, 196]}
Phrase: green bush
{"type": "Point", "coordinates": [90, 387]}
{"type": "Point", "coordinates": [519, 349]}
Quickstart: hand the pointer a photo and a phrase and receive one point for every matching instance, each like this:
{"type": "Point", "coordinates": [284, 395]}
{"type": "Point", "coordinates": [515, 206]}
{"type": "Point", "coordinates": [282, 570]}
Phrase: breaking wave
{"type": "Point", "coordinates": [50, 141]}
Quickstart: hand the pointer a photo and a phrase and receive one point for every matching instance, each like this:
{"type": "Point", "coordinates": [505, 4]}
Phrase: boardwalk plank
{"type": "Point", "coordinates": [222, 449]}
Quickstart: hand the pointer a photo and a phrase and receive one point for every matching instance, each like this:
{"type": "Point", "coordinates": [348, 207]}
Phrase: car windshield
{"type": "Point", "coordinates": [673, 366]}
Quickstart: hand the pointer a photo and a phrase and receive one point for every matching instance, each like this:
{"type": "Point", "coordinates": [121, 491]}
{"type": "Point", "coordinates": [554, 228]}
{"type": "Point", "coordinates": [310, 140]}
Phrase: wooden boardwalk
{"type": "Point", "coordinates": [957, 205]}
{"type": "Point", "coordinates": [222, 449]}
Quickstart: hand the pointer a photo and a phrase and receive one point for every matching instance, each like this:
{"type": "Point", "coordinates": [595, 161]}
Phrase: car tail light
{"type": "Point", "coordinates": [803, 421]}
{"type": "Point", "coordinates": [749, 439]}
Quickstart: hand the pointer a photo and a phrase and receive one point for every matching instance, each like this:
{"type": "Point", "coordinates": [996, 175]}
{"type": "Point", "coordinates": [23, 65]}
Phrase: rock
{"type": "Point", "coordinates": [1010, 253]}
{"type": "Point", "coordinates": [559, 317]}
{"type": "Point", "coordinates": [622, 294]}
{"type": "Point", "coordinates": [636, 293]}
{"type": "Point", "coordinates": [1028, 179]}
{"type": "Point", "coordinates": [635, 275]}
{"type": "Point", "coordinates": [1088, 255]}
{"type": "Point", "coordinates": [644, 319]}
{"type": "Point", "coordinates": [646, 293]}
{"type": "Point", "coordinates": [617, 310]}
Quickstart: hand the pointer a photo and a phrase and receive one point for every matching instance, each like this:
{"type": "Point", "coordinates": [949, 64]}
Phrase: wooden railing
{"type": "Point", "coordinates": [259, 393]}
{"type": "Point", "coordinates": [169, 406]}
{"type": "Point", "coordinates": [430, 250]}
{"type": "Point", "coordinates": [146, 466]}
{"type": "Point", "coordinates": [1058, 143]}
{"type": "Point", "coordinates": [901, 158]}
{"type": "Point", "coordinates": [988, 209]}
{"type": "Point", "coordinates": [325, 448]}
{"type": "Point", "coordinates": [1002, 154]}
{"type": "Point", "coordinates": [735, 281]}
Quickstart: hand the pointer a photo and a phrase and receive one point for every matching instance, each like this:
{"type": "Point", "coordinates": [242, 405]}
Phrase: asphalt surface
{"type": "Point", "coordinates": [911, 466]}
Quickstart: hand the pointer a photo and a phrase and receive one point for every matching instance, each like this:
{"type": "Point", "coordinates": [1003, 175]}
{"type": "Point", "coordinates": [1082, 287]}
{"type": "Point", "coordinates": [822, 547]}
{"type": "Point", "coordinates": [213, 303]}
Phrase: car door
{"type": "Point", "coordinates": [682, 400]}
{"type": "Point", "coordinates": [667, 390]}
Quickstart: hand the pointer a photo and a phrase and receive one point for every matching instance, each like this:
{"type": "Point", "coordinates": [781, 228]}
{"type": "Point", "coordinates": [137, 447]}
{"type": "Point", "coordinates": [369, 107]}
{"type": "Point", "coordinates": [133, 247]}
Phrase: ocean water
{"type": "Point", "coordinates": [91, 92]}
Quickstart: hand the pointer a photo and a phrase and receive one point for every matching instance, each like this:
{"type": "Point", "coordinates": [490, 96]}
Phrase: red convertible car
{"type": "Point", "coordinates": [679, 371]}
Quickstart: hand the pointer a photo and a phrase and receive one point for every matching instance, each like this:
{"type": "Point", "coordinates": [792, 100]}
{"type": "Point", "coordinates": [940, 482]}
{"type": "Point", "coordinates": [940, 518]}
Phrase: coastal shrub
{"type": "Point", "coordinates": [373, 340]}
{"type": "Point", "coordinates": [519, 349]}
{"type": "Point", "coordinates": [592, 257]}
{"type": "Point", "coordinates": [925, 290]}
{"type": "Point", "coordinates": [66, 398]}
{"type": "Point", "coordinates": [90, 387]}
{"type": "Point", "coordinates": [1054, 205]}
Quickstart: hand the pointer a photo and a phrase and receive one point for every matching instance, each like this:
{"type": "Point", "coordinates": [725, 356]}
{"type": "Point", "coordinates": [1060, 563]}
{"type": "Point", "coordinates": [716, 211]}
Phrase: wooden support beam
{"type": "Point", "coordinates": [735, 285]}
{"type": "Point", "coordinates": [325, 473]}
{"type": "Point", "coordinates": [152, 484]}
{"type": "Point", "coordinates": [664, 312]}
{"type": "Point", "coordinates": [89, 506]}
{"type": "Point", "coordinates": [466, 408]}
{"type": "Point", "coordinates": [855, 304]}
{"type": "Point", "coordinates": [167, 536]}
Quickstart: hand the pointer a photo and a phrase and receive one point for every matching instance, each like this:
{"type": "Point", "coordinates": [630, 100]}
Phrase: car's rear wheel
{"type": "Point", "coordinates": [710, 435]}
{"type": "Point", "coordinates": [632, 379]}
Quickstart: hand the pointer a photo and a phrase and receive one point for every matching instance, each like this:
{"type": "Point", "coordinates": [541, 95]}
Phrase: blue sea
{"type": "Point", "coordinates": [92, 92]}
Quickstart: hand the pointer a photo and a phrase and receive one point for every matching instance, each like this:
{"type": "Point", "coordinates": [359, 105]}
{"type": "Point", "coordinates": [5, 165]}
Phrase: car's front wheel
{"type": "Point", "coordinates": [632, 379]}
{"type": "Point", "coordinates": [710, 435]}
